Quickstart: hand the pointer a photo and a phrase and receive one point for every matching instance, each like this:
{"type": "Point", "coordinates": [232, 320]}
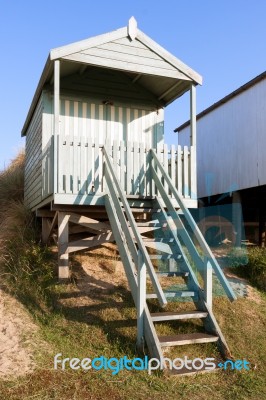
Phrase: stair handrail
{"type": "Point", "coordinates": [190, 220]}
{"type": "Point", "coordinates": [133, 225]}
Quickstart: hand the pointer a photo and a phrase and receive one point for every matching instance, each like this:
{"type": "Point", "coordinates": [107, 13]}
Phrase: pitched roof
{"type": "Point", "coordinates": [126, 49]}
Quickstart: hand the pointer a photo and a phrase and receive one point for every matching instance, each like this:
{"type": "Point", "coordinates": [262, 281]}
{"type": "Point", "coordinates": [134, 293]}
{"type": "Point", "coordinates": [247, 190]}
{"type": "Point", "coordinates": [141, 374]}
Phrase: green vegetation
{"type": "Point", "coordinates": [250, 263]}
{"type": "Point", "coordinates": [87, 322]}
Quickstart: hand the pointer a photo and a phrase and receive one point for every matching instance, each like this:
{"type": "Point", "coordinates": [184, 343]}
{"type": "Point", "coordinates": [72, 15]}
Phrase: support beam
{"type": "Point", "coordinates": [170, 89]}
{"type": "Point", "coordinates": [136, 78]}
{"type": "Point", "coordinates": [91, 224]}
{"type": "Point", "coordinates": [90, 242]}
{"type": "Point", "coordinates": [193, 143]}
{"type": "Point", "coordinates": [56, 117]}
{"type": "Point", "coordinates": [193, 139]}
{"type": "Point", "coordinates": [63, 267]}
{"type": "Point", "coordinates": [46, 226]}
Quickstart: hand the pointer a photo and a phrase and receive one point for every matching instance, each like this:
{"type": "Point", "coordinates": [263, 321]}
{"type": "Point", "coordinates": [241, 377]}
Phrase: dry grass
{"type": "Point", "coordinates": [96, 316]}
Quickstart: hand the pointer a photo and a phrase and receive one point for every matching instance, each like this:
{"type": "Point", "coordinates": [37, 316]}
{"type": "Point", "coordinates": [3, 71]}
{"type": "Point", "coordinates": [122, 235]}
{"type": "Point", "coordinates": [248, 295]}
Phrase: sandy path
{"type": "Point", "coordinates": [17, 333]}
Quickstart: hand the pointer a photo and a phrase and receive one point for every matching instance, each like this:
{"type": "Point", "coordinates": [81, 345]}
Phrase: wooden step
{"type": "Point", "coordinates": [188, 338]}
{"type": "Point", "coordinates": [165, 257]}
{"type": "Point", "coordinates": [178, 293]}
{"type": "Point", "coordinates": [171, 316]}
{"type": "Point", "coordinates": [171, 274]}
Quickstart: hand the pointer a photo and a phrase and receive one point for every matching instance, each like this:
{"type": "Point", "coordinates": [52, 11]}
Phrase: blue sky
{"type": "Point", "coordinates": [224, 41]}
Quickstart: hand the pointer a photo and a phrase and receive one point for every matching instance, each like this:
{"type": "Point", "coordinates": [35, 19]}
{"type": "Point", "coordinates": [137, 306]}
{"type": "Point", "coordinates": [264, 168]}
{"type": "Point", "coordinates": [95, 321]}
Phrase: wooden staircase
{"type": "Point", "coordinates": [171, 242]}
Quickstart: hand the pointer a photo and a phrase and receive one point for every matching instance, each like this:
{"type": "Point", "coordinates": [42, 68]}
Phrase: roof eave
{"type": "Point", "coordinates": [225, 99]}
{"type": "Point", "coordinates": [46, 71]}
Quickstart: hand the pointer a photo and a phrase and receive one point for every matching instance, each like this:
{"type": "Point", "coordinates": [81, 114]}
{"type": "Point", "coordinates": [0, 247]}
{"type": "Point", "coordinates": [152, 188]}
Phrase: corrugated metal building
{"type": "Point", "coordinates": [231, 142]}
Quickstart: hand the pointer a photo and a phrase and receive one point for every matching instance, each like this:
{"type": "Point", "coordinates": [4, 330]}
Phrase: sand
{"type": "Point", "coordinates": [17, 332]}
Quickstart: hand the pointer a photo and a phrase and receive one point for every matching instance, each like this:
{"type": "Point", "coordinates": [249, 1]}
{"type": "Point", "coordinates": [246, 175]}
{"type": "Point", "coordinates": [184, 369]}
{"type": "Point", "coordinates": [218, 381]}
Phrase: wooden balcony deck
{"type": "Point", "coordinates": [78, 177]}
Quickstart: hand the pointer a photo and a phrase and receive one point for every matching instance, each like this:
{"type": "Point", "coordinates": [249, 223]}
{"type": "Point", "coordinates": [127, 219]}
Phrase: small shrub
{"type": "Point", "coordinates": [238, 256]}
{"type": "Point", "coordinates": [256, 267]}
{"type": "Point", "coordinates": [251, 264]}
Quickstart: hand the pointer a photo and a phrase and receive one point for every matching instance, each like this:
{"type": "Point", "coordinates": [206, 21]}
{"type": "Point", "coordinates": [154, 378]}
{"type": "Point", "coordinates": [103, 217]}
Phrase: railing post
{"type": "Point", "coordinates": [141, 301]}
{"type": "Point", "coordinates": [207, 275]}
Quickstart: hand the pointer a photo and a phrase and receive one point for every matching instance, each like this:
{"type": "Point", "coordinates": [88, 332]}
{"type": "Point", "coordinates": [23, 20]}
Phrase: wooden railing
{"type": "Point", "coordinates": [80, 167]}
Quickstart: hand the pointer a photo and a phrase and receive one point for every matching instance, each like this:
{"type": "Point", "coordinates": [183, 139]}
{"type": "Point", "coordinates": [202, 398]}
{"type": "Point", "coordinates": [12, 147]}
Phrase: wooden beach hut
{"type": "Point", "coordinates": [97, 165]}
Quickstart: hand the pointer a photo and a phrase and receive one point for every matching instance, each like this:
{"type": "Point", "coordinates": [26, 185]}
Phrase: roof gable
{"type": "Point", "coordinates": [117, 50]}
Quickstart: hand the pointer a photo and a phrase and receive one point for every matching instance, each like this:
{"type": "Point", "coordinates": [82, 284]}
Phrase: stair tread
{"type": "Point", "coordinates": [173, 273]}
{"type": "Point", "coordinates": [174, 293]}
{"type": "Point", "coordinates": [187, 338]}
{"type": "Point", "coordinates": [170, 315]}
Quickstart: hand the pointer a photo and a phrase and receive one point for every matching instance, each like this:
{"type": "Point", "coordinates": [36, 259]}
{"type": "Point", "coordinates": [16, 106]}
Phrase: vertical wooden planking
{"type": "Point", "coordinates": [76, 118]}
{"type": "Point", "coordinates": [129, 136]}
{"type": "Point", "coordinates": [75, 164]}
{"type": "Point", "coordinates": [96, 164]}
{"type": "Point", "coordinates": [108, 148]}
{"type": "Point", "coordinates": [71, 162]}
{"type": "Point", "coordinates": [114, 133]}
{"type": "Point", "coordinates": [83, 163]}
{"type": "Point", "coordinates": [129, 168]}
{"type": "Point", "coordinates": [61, 163]}
{"type": "Point", "coordinates": [66, 166]}
{"type": "Point", "coordinates": [148, 181]}
{"type": "Point", "coordinates": [142, 169]}
{"type": "Point", "coordinates": [89, 160]}
{"type": "Point", "coordinates": [67, 117]}
{"type": "Point", "coordinates": [84, 119]}
{"type": "Point", "coordinates": [100, 168]}
{"type": "Point", "coordinates": [179, 171]}
{"type": "Point", "coordinates": [101, 123]}
{"type": "Point", "coordinates": [122, 165]}
{"type": "Point", "coordinates": [185, 172]}
{"type": "Point", "coordinates": [62, 117]}
{"type": "Point", "coordinates": [116, 158]}
{"type": "Point", "coordinates": [135, 168]}
{"type": "Point", "coordinates": [173, 165]}
{"type": "Point", "coordinates": [165, 163]}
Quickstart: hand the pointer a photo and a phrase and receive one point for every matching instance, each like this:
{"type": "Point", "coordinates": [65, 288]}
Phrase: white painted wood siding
{"type": "Point", "coordinates": [33, 160]}
{"type": "Point", "coordinates": [127, 55]}
{"type": "Point", "coordinates": [231, 143]}
{"type": "Point", "coordinates": [92, 119]}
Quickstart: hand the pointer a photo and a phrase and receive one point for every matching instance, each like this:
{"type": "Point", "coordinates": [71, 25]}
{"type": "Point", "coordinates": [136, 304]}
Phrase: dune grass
{"type": "Point", "coordinates": [81, 323]}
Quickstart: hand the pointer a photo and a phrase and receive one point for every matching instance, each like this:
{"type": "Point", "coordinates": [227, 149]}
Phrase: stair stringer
{"type": "Point", "coordinates": [210, 323]}
{"type": "Point", "coordinates": [150, 334]}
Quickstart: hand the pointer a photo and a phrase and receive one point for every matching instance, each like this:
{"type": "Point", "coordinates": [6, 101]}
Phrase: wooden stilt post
{"type": "Point", "coordinates": [63, 267]}
{"type": "Point", "coordinates": [141, 301]}
{"type": "Point", "coordinates": [46, 226]}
